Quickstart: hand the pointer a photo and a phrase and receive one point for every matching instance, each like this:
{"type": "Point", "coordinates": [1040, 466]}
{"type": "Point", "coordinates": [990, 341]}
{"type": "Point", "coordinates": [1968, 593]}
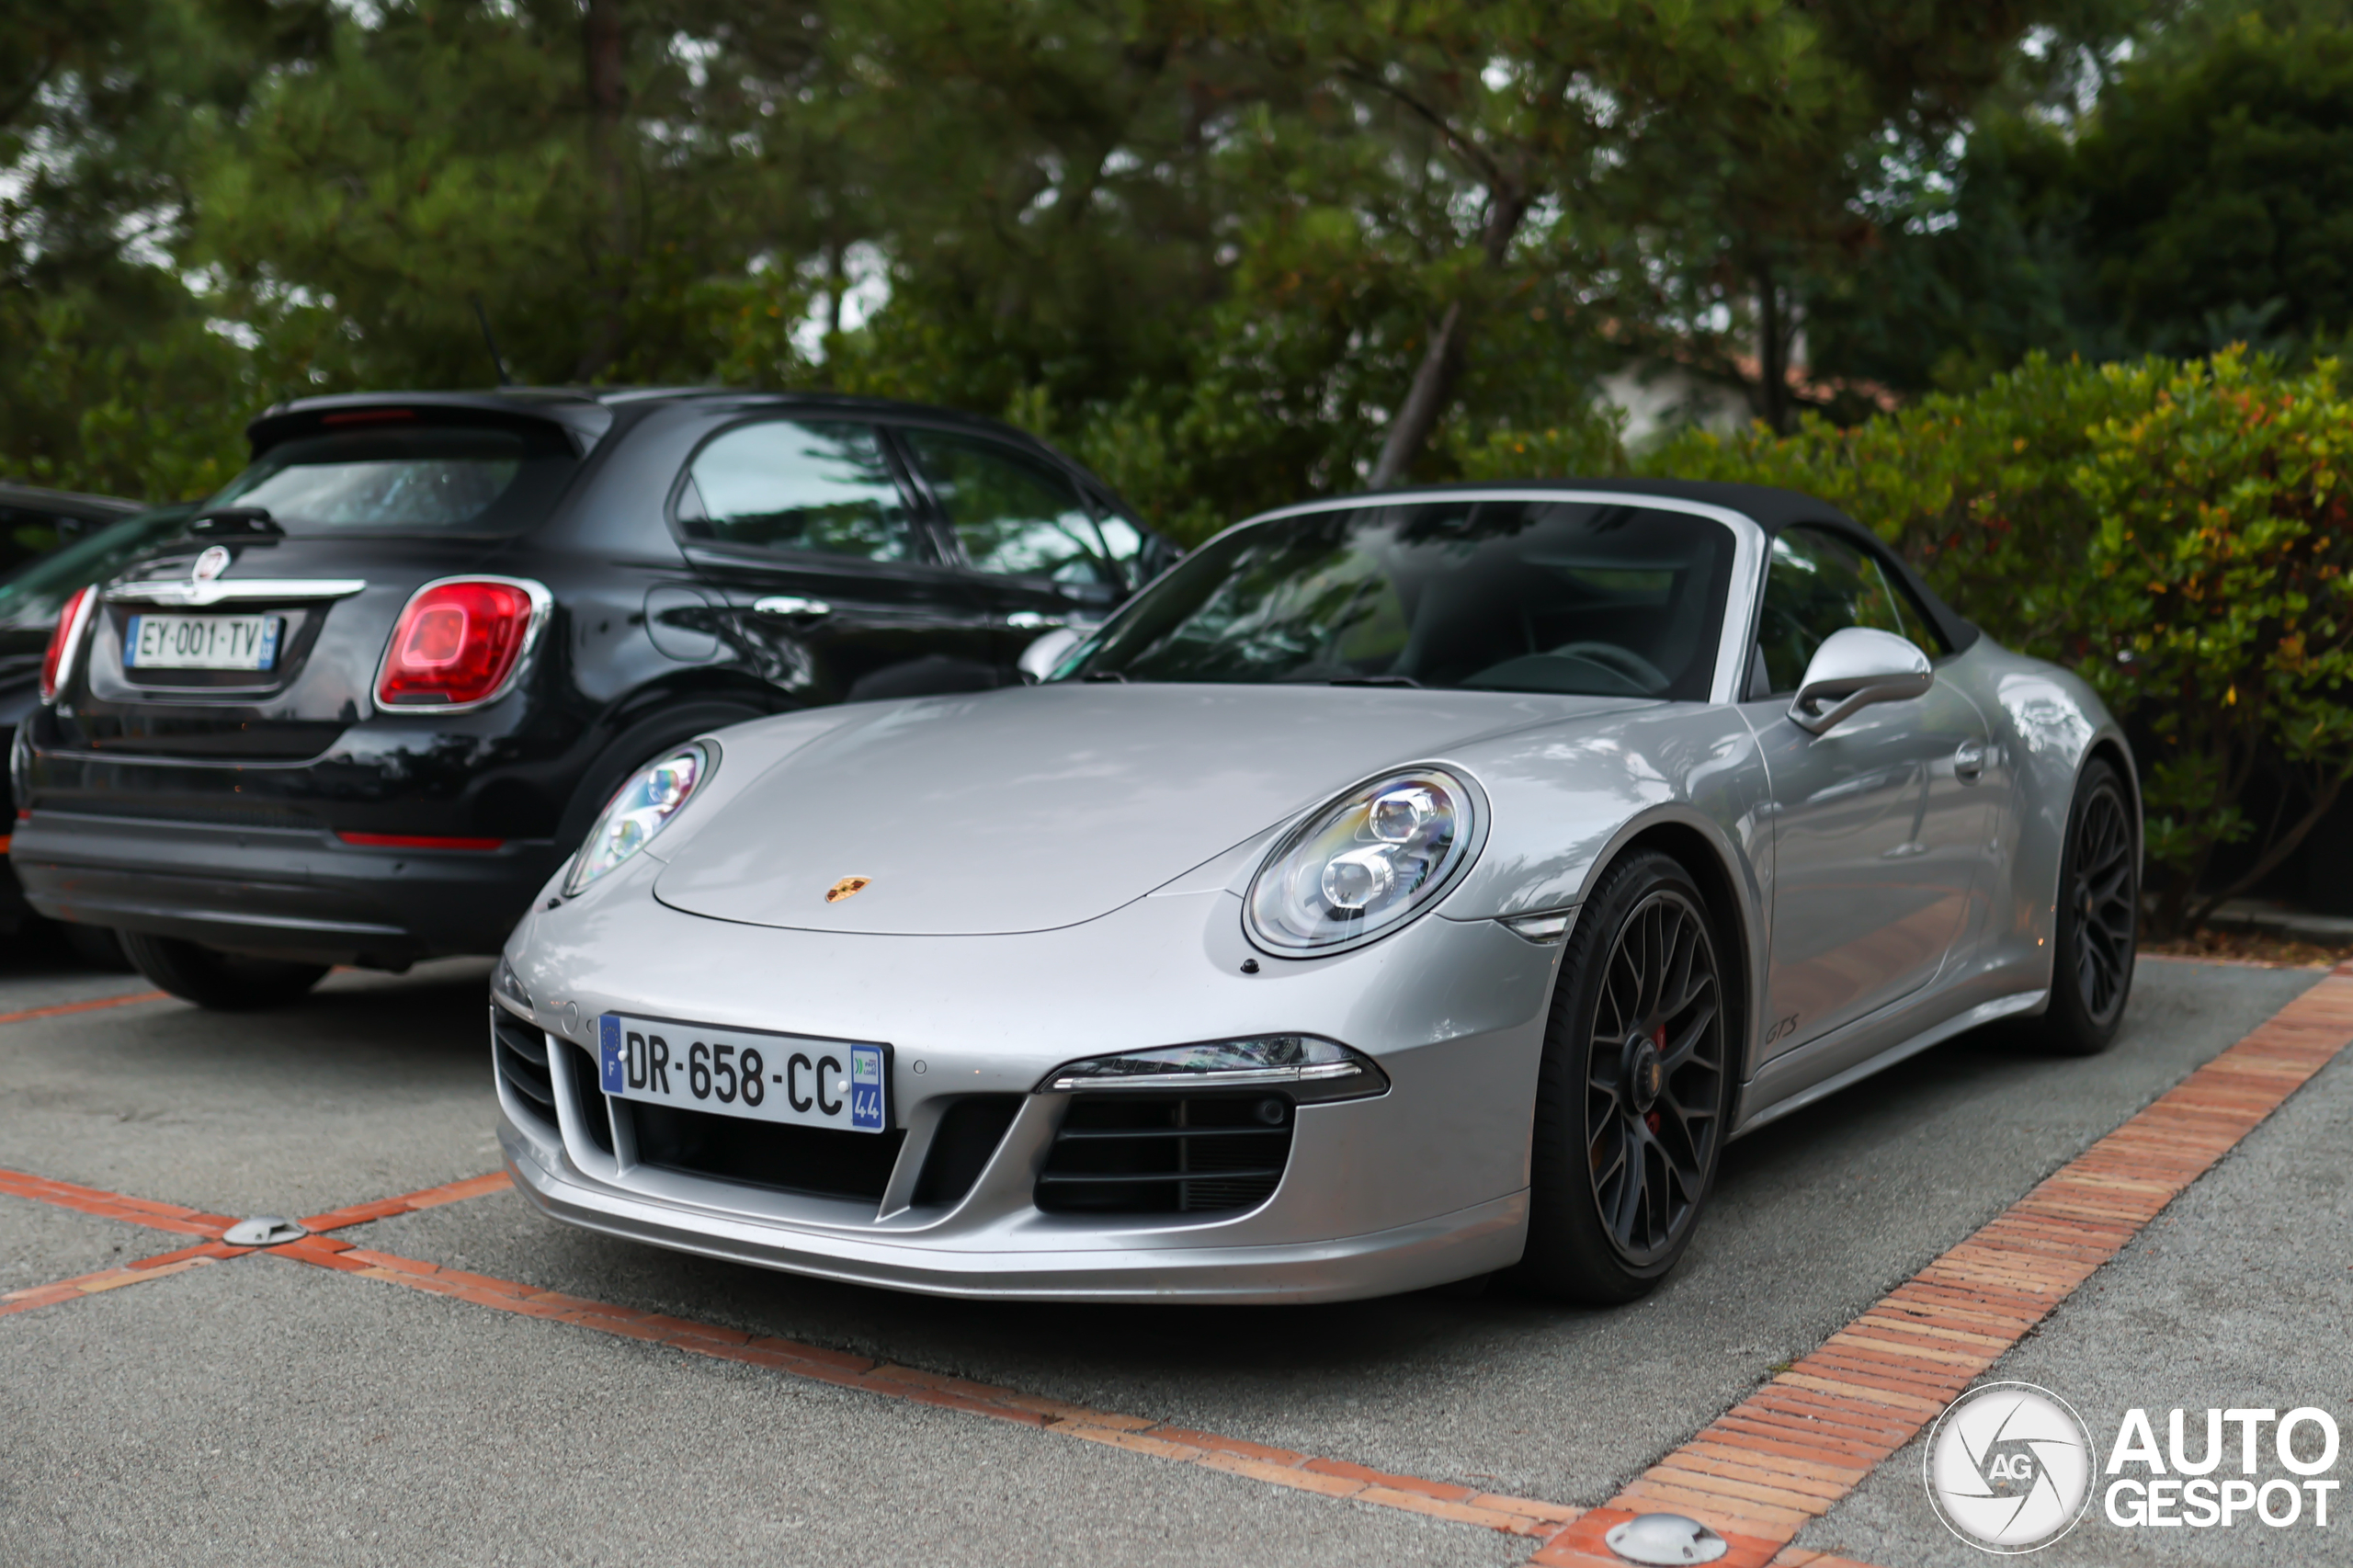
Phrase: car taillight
{"type": "Point", "coordinates": [459, 642]}
{"type": "Point", "coordinates": [57, 664]}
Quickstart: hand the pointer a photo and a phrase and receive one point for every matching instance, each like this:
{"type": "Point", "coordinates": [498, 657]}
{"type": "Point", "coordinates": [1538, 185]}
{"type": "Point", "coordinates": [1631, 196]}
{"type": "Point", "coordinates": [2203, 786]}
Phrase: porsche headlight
{"type": "Point", "coordinates": [1366, 863]}
{"type": "Point", "coordinates": [643, 808]}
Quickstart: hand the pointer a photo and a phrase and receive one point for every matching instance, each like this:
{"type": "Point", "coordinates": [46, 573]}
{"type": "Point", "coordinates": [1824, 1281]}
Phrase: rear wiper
{"type": "Point", "coordinates": [1376, 680]}
{"type": "Point", "coordinates": [223, 522]}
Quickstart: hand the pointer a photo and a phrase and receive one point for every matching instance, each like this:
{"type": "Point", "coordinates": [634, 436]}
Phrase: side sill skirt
{"type": "Point", "coordinates": [1959, 1023]}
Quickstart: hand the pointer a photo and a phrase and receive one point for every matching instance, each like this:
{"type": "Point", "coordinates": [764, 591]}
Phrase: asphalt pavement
{"type": "Point", "coordinates": [262, 1411]}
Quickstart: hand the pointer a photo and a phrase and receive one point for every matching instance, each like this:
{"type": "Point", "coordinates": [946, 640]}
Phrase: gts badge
{"type": "Point", "coordinates": [1782, 1031]}
{"type": "Point", "coordinates": [849, 887]}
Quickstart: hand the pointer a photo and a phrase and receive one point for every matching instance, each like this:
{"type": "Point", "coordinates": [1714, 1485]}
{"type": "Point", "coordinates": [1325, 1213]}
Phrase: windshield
{"type": "Point", "coordinates": [31, 597]}
{"type": "Point", "coordinates": [1603, 600]}
{"type": "Point", "coordinates": [431, 477]}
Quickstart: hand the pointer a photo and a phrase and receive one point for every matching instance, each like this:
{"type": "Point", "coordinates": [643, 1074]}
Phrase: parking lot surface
{"type": "Point", "coordinates": [261, 1409]}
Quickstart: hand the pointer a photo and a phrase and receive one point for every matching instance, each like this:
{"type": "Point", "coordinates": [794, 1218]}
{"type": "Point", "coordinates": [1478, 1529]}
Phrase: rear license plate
{"type": "Point", "coordinates": [201, 643]}
{"type": "Point", "coordinates": [768, 1077]}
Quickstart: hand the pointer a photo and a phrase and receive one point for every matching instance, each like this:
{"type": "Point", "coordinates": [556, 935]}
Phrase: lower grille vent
{"type": "Point", "coordinates": [968, 1134]}
{"type": "Point", "coordinates": [587, 1094]}
{"type": "Point", "coordinates": [1144, 1153]}
{"type": "Point", "coordinates": [815, 1160]}
{"type": "Point", "coordinates": [521, 1053]}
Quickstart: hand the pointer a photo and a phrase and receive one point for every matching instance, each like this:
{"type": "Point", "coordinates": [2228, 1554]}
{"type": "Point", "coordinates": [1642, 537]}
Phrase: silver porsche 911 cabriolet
{"type": "Point", "coordinates": [1401, 889]}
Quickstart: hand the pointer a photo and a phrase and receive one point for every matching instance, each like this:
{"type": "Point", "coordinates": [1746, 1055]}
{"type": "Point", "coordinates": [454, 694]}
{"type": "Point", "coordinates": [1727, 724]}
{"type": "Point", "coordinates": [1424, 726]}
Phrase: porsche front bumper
{"type": "Point", "coordinates": [1416, 1186]}
{"type": "Point", "coordinates": [1404, 1257]}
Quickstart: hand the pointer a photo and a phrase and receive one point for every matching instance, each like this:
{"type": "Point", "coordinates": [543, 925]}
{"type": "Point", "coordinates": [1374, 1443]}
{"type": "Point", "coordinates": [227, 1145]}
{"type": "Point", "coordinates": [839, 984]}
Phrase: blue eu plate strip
{"type": "Point", "coordinates": [866, 1088]}
{"type": "Point", "coordinates": [611, 1065]}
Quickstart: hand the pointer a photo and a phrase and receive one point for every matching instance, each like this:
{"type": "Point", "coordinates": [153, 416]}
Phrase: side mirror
{"type": "Point", "coordinates": [1853, 669]}
{"type": "Point", "coordinates": [1039, 659]}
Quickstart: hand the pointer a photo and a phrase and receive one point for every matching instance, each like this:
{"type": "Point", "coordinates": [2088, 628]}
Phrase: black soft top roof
{"type": "Point", "coordinates": [1770, 507]}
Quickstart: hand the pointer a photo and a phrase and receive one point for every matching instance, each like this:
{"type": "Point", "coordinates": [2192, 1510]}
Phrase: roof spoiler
{"type": "Point", "coordinates": [582, 418]}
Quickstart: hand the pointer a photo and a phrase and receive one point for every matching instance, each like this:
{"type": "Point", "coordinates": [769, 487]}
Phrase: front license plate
{"type": "Point", "coordinates": [201, 643]}
{"type": "Point", "coordinates": [768, 1077]}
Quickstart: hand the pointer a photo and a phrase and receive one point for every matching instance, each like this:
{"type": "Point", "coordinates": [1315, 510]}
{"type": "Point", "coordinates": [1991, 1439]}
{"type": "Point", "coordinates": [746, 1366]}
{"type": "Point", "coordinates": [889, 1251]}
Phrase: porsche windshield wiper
{"type": "Point", "coordinates": [1376, 680]}
{"type": "Point", "coordinates": [1104, 674]}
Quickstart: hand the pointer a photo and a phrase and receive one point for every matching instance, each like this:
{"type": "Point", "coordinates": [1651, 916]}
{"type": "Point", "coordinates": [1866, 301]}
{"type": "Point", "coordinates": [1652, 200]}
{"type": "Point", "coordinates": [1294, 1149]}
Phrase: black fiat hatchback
{"type": "Point", "coordinates": [383, 682]}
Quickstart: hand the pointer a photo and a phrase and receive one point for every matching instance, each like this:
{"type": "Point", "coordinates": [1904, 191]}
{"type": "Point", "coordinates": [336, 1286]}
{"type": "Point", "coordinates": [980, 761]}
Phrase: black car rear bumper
{"type": "Point", "coordinates": [282, 892]}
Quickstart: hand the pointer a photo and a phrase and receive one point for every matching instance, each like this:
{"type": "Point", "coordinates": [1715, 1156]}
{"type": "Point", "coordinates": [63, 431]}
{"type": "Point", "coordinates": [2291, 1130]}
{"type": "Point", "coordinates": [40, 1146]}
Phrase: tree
{"type": "Point", "coordinates": [1518, 132]}
{"type": "Point", "coordinates": [112, 377]}
{"type": "Point", "coordinates": [604, 193]}
{"type": "Point", "coordinates": [2218, 191]}
{"type": "Point", "coordinates": [2175, 196]}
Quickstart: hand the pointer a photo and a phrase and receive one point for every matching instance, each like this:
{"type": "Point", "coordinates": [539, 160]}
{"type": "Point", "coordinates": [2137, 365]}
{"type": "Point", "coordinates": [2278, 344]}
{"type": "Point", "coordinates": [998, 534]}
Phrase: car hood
{"type": "Point", "coordinates": [1035, 808]}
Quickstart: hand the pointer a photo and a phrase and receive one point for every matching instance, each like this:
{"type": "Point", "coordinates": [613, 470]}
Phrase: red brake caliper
{"type": "Point", "coordinates": [1658, 1037]}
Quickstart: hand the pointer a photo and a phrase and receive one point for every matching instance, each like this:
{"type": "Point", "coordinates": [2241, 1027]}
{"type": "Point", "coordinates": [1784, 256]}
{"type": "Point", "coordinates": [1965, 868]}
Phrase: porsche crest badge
{"type": "Point", "coordinates": [845, 888]}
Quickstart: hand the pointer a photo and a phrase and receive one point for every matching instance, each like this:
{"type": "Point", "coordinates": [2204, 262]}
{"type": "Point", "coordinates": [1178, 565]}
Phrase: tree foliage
{"type": "Point", "coordinates": [1226, 248]}
{"type": "Point", "coordinates": [2194, 191]}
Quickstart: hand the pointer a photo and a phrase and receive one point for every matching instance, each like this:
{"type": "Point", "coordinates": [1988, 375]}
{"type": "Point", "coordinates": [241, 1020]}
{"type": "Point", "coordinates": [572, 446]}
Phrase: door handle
{"type": "Point", "coordinates": [1968, 762]}
{"type": "Point", "coordinates": [1031, 620]}
{"type": "Point", "coordinates": [790, 604]}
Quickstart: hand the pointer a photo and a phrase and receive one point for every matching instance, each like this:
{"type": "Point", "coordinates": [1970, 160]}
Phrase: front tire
{"type": "Point", "coordinates": [2096, 931]}
{"type": "Point", "coordinates": [224, 983]}
{"type": "Point", "coordinates": [1633, 1089]}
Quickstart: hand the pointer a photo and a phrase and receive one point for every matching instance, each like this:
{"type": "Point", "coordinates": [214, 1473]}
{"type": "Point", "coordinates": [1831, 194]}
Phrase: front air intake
{"type": "Point", "coordinates": [520, 1053]}
{"type": "Point", "coordinates": [1138, 1153]}
{"type": "Point", "coordinates": [818, 1161]}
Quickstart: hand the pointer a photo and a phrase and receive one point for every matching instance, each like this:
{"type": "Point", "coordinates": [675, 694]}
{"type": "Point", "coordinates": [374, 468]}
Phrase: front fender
{"type": "Point", "coordinates": [1567, 797]}
{"type": "Point", "coordinates": [1568, 800]}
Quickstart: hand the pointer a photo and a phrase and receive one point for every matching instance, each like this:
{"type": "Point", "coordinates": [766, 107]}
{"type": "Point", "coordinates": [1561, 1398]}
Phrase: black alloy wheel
{"type": "Point", "coordinates": [2097, 919]}
{"type": "Point", "coordinates": [1634, 1087]}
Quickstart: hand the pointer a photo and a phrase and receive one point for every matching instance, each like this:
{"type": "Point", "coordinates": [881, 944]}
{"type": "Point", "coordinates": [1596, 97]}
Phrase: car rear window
{"type": "Point", "coordinates": [419, 480]}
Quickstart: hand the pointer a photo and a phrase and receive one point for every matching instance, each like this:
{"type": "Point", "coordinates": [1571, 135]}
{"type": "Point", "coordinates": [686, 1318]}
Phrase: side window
{"type": "Point", "coordinates": [814, 485]}
{"type": "Point", "coordinates": [1819, 583]}
{"type": "Point", "coordinates": [1124, 542]}
{"type": "Point", "coordinates": [1013, 516]}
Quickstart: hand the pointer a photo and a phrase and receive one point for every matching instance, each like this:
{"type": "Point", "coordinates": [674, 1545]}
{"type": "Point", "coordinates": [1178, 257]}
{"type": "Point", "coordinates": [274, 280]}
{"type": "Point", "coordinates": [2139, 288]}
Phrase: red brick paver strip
{"type": "Point", "coordinates": [63, 1010]}
{"type": "Point", "coordinates": [160, 1266]}
{"type": "Point", "coordinates": [1871, 1387]}
{"type": "Point", "coordinates": [409, 1203]}
{"type": "Point", "coordinates": [114, 1205]}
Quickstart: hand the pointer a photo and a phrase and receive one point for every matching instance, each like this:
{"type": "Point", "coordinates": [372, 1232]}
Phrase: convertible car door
{"type": "Point", "coordinates": [1879, 824]}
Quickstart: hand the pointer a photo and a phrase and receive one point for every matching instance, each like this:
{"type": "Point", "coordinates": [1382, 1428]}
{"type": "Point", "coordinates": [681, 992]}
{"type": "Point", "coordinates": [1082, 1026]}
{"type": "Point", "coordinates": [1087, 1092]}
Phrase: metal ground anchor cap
{"type": "Point", "coordinates": [1666, 1537]}
{"type": "Point", "coordinates": [266, 1230]}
